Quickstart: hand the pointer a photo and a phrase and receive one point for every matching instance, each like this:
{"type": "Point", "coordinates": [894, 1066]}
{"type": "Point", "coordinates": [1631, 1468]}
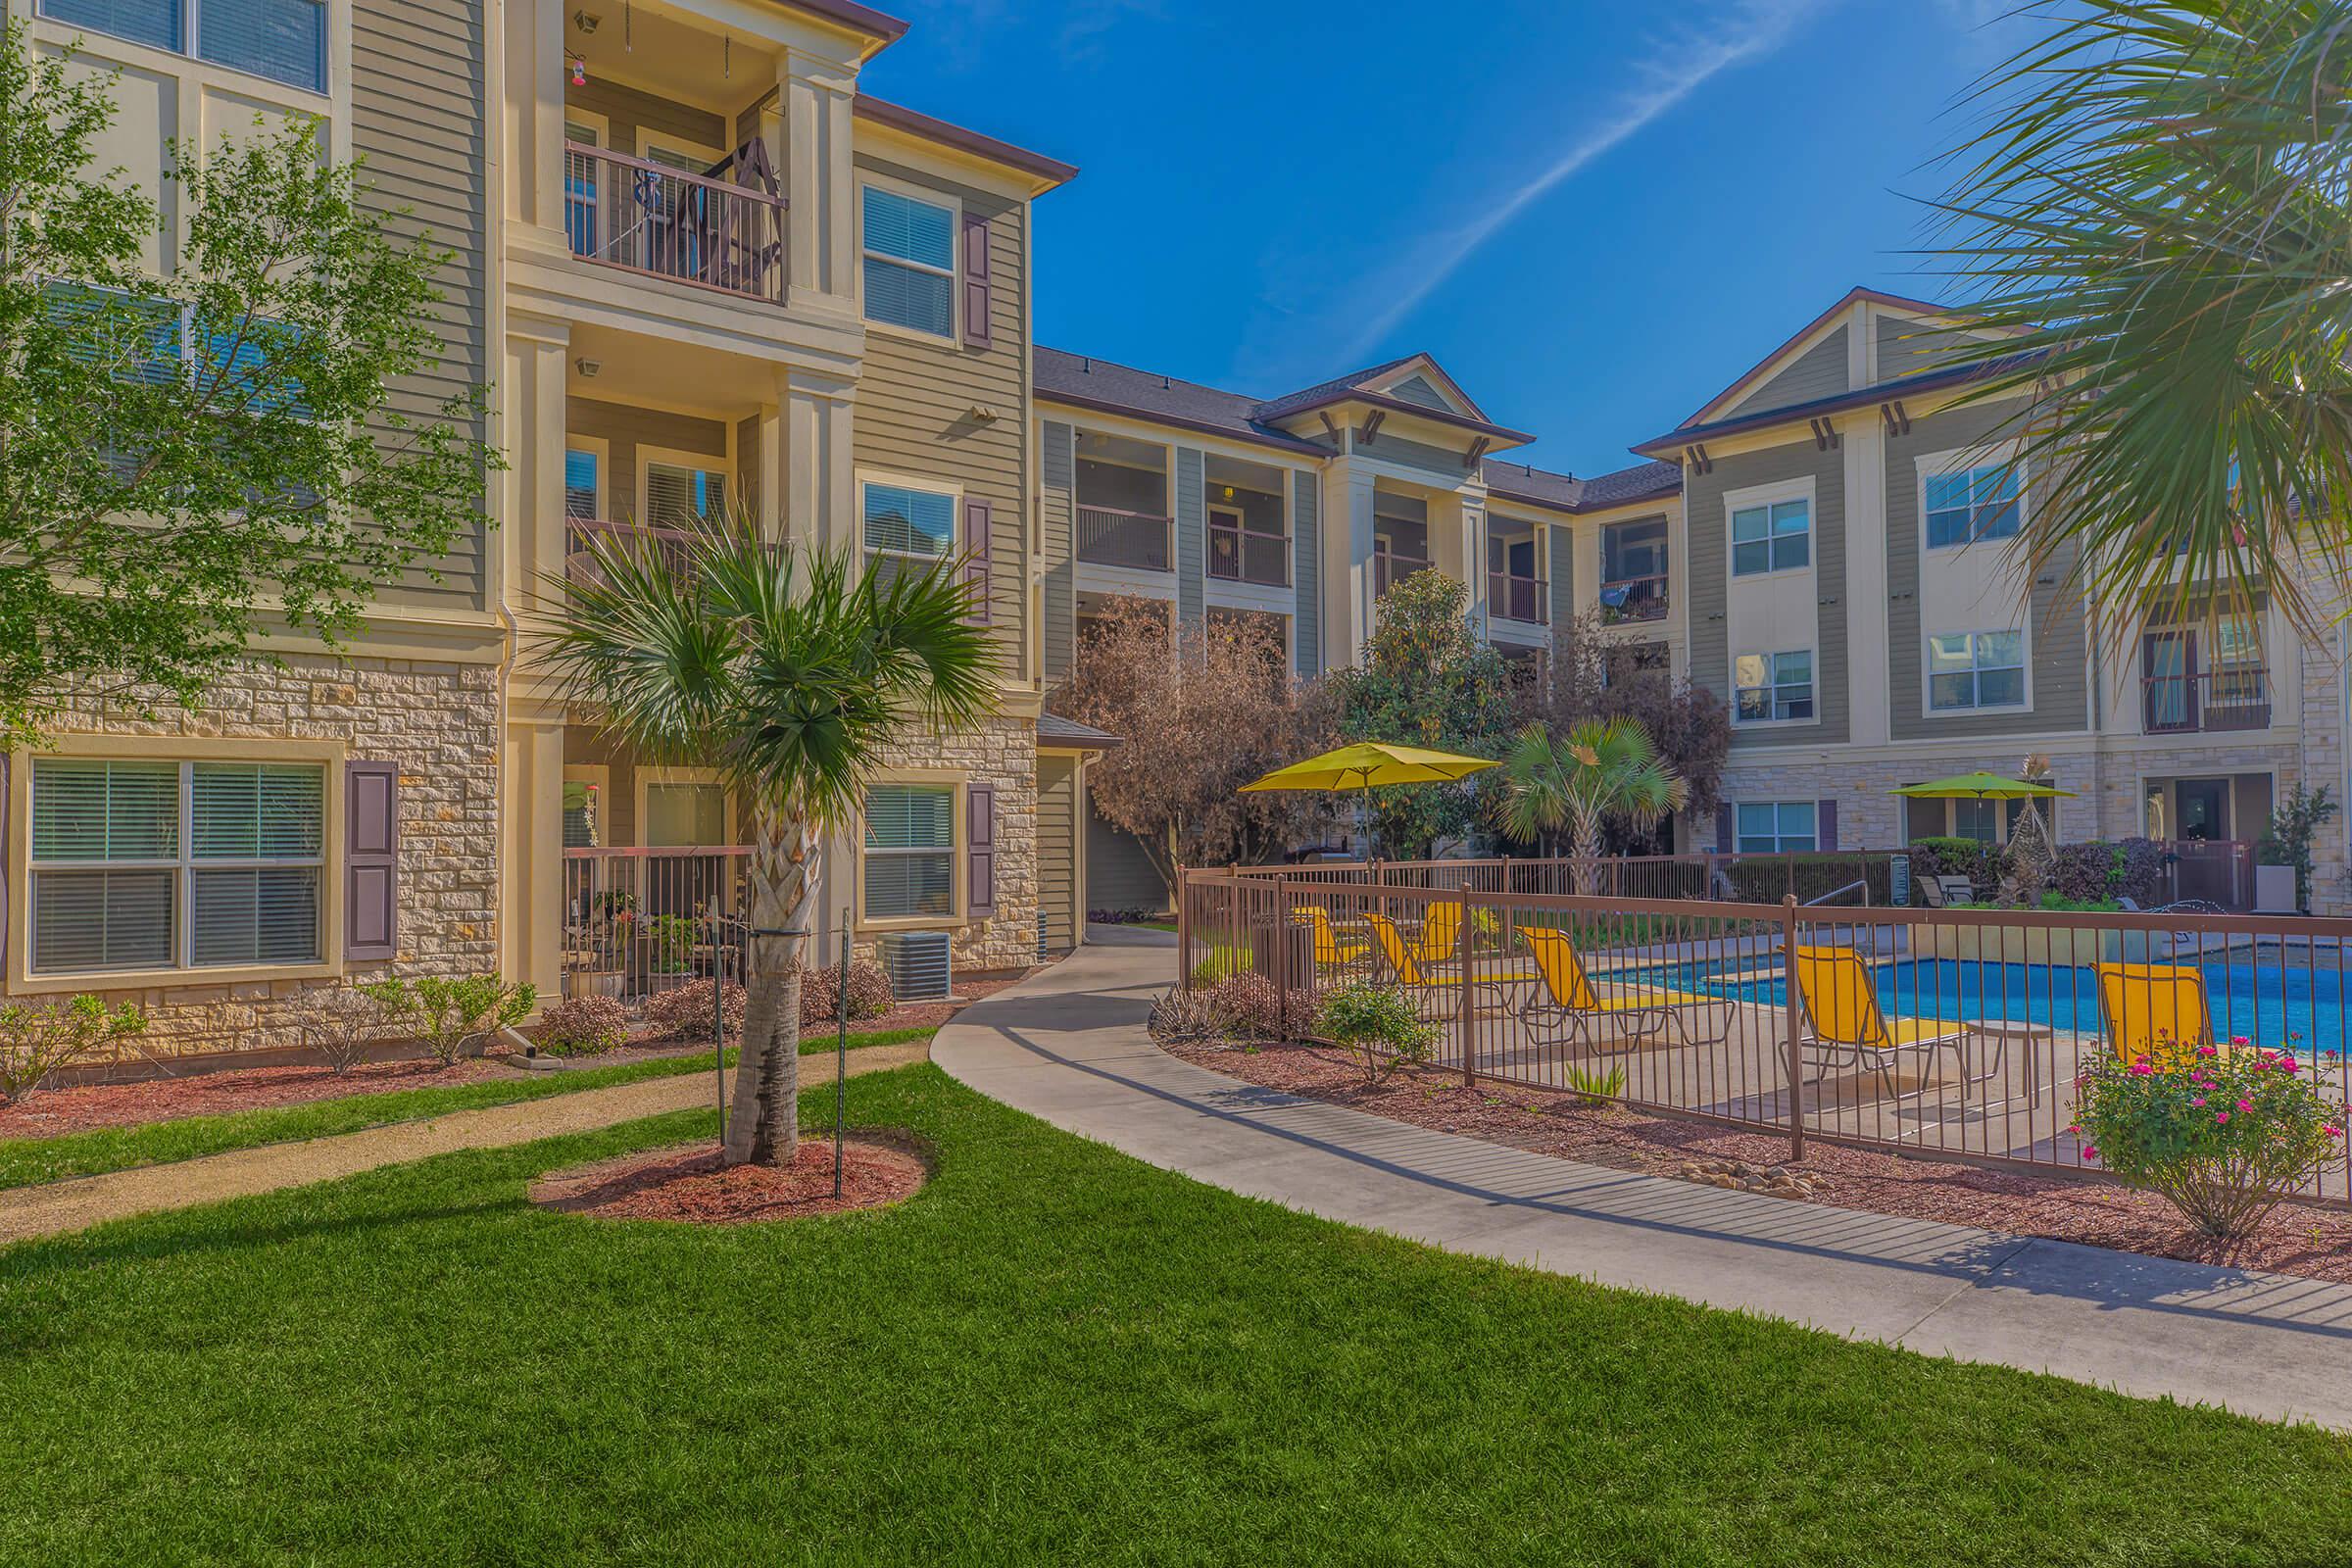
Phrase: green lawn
{"type": "Point", "coordinates": [26, 1161]}
{"type": "Point", "coordinates": [1052, 1354]}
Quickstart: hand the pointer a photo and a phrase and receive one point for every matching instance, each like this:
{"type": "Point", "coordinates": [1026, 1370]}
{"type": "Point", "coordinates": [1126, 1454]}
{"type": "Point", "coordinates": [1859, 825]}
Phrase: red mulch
{"type": "Point", "coordinates": [2296, 1239]}
{"type": "Point", "coordinates": [689, 1184]}
{"type": "Point", "coordinates": [81, 1107]}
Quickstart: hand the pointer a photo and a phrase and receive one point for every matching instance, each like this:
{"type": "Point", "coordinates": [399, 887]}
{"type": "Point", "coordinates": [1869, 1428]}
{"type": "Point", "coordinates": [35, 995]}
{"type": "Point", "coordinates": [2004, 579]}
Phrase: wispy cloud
{"type": "Point", "coordinates": [1360, 318]}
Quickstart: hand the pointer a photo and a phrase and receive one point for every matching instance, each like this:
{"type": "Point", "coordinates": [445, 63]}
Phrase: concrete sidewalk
{"type": "Point", "coordinates": [1069, 1047]}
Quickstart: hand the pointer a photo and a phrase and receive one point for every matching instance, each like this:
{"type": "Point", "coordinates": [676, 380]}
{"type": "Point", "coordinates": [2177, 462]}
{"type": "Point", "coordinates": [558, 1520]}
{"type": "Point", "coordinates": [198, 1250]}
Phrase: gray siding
{"type": "Point", "coordinates": [632, 113]}
{"type": "Point", "coordinates": [1118, 874]}
{"type": "Point", "coordinates": [627, 429]}
{"type": "Point", "coordinates": [1057, 849]}
{"type": "Point", "coordinates": [1818, 373]}
{"type": "Point", "coordinates": [1307, 571]}
{"type": "Point", "coordinates": [1710, 539]}
{"type": "Point", "coordinates": [2055, 634]}
{"type": "Point", "coordinates": [1914, 347]}
{"type": "Point", "coordinates": [1056, 519]}
{"type": "Point", "coordinates": [1192, 543]}
{"type": "Point", "coordinates": [417, 95]}
{"type": "Point", "coordinates": [1417, 389]}
{"type": "Point", "coordinates": [914, 409]}
{"type": "Point", "coordinates": [1388, 448]}
{"type": "Point", "coordinates": [1563, 590]}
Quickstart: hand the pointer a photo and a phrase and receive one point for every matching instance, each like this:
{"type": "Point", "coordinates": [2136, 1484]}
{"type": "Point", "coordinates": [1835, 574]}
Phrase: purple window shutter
{"type": "Point", "coordinates": [370, 861]}
{"type": "Point", "coordinates": [980, 848]}
{"type": "Point", "coordinates": [1825, 824]}
{"type": "Point", "coordinates": [1722, 829]}
{"type": "Point", "coordinates": [977, 519]}
{"type": "Point", "coordinates": [975, 281]}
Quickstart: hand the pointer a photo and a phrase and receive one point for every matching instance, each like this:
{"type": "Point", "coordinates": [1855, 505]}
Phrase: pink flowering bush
{"type": "Point", "coordinates": [2223, 1135]}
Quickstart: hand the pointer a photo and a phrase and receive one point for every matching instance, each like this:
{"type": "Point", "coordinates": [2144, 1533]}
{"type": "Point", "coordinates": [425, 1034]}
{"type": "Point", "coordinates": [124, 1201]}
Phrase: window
{"type": "Point", "coordinates": [1778, 537]}
{"type": "Point", "coordinates": [903, 521]}
{"type": "Point", "coordinates": [1771, 827]}
{"type": "Point", "coordinates": [678, 497]}
{"type": "Point", "coordinates": [1977, 669]}
{"type": "Point", "coordinates": [157, 866]}
{"type": "Point", "coordinates": [910, 851]}
{"type": "Point", "coordinates": [682, 814]}
{"type": "Point", "coordinates": [579, 814]}
{"type": "Point", "coordinates": [909, 262]}
{"type": "Point", "coordinates": [580, 228]}
{"type": "Point", "coordinates": [1973, 503]}
{"type": "Point", "coordinates": [284, 40]}
{"type": "Point", "coordinates": [583, 500]}
{"type": "Point", "coordinates": [1772, 687]}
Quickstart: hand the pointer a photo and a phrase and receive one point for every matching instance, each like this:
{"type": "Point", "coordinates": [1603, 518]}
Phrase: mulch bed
{"type": "Point", "coordinates": [2296, 1239]}
{"type": "Point", "coordinates": [691, 1184]}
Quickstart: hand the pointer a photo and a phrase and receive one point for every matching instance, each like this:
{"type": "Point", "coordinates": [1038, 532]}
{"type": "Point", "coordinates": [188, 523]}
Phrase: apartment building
{"type": "Point", "coordinates": [699, 268]}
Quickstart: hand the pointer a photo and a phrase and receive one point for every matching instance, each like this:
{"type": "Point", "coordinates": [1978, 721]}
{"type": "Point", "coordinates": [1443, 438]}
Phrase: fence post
{"type": "Point", "coordinates": [1281, 945]}
{"type": "Point", "coordinates": [1184, 934]}
{"type": "Point", "coordinates": [1796, 1054]}
{"type": "Point", "coordinates": [1465, 1012]}
{"type": "Point", "coordinates": [1863, 857]}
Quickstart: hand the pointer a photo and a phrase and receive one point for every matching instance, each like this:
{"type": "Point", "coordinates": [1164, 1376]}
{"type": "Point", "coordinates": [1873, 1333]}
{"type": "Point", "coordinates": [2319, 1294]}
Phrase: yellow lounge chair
{"type": "Point", "coordinates": [1435, 998]}
{"type": "Point", "coordinates": [1845, 1028]}
{"type": "Point", "coordinates": [1332, 950]}
{"type": "Point", "coordinates": [1441, 934]}
{"type": "Point", "coordinates": [2154, 1012]}
{"type": "Point", "coordinates": [1566, 999]}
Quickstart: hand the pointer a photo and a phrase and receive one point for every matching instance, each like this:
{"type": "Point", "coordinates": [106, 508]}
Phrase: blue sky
{"type": "Point", "coordinates": [1594, 213]}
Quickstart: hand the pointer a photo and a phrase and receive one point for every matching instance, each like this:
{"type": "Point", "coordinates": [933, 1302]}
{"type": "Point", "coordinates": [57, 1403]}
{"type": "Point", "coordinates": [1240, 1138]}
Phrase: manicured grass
{"type": "Point", "coordinates": [26, 1161]}
{"type": "Point", "coordinates": [1052, 1355]}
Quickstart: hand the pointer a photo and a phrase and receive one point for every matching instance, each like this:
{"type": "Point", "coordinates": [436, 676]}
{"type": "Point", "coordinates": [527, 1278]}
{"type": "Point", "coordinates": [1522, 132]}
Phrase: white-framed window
{"type": "Point", "coordinates": [1770, 827]}
{"type": "Point", "coordinates": [1971, 504]}
{"type": "Point", "coordinates": [583, 485]}
{"type": "Point", "coordinates": [907, 523]}
{"type": "Point", "coordinates": [1970, 669]}
{"type": "Point", "coordinates": [684, 814]}
{"type": "Point", "coordinates": [909, 261]}
{"type": "Point", "coordinates": [284, 40]}
{"type": "Point", "coordinates": [910, 852]}
{"type": "Point", "coordinates": [678, 497]}
{"type": "Point", "coordinates": [1772, 536]}
{"type": "Point", "coordinates": [1772, 688]}
{"type": "Point", "coordinates": [139, 864]}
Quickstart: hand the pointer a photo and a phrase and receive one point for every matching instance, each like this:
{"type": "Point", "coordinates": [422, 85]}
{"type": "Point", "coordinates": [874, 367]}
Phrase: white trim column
{"type": "Point", "coordinates": [814, 95]}
{"type": "Point", "coordinates": [818, 483]}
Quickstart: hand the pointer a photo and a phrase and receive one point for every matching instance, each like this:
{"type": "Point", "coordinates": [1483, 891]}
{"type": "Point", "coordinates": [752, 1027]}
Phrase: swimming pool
{"type": "Point", "coordinates": [2274, 1003]}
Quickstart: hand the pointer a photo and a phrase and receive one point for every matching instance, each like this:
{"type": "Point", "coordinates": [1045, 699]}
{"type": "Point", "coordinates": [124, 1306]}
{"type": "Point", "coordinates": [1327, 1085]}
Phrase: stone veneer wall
{"type": "Point", "coordinates": [1002, 752]}
{"type": "Point", "coordinates": [439, 723]}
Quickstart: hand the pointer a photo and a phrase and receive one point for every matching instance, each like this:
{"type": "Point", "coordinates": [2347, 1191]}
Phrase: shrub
{"type": "Point", "coordinates": [1376, 1026]}
{"type": "Point", "coordinates": [671, 937]}
{"type": "Point", "coordinates": [869, 993]}
{"type": "Point", "coordinates": [340, 1025]}
{"type": "Point", "coordinates": [1183, 1015]}
{"type": "Point", "coordinates": [2293, 828]}
{"type": "Point", "coordinates": [450, 1016]}
{"type": "Point", "coordinates": [2223, 1137]}
{"type": "Point", "coordinates": [1253, 1005]}
{"type": "Point", "coordinates": [2085, 874]}
{"type": "Point", "coordinates": [1981, 863]}
{"type": "Point", "coordinates": [1222, 964]}
{"type": "Point", "coordinates": [1596, 1086]}
{"type": "Point", "coordinates": [2141, 875]}
{"type": "Point", "coordinates": [582, 1025]}
{"type": "Point", "coordinates": [36, 1038]}
{"type": "Point", "coordinates": [683, 1012]}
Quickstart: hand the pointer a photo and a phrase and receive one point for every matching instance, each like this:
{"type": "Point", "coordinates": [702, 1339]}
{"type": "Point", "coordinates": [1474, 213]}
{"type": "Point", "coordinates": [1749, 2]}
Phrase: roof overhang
{"type": "Point", "coordinates": [1677, 441]}
{"type": "Point", "coordinates": [1043, 172]}
{"type": "Point", "coordinates": [1405, 413]}
{"type": "Point", "coordinates": [1273, 439]}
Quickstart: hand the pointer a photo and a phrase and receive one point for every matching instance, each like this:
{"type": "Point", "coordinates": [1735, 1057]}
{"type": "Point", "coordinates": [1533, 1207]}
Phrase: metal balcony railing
{"type": "Point", "coordinates": [647, 218]}
{"type": "Point", "coordinates": [1239, 554]}
{"type": "Point", "coordinates": [1135, 540]}
{"type": "Point", "coordinates": [2216, 699]}
{"type": "Point", "coordinates": [1521, 599]}
{"type": "Point", "coordinates": [1389, 570]}
{"type": "Point", "coordinates": [1634, 599]}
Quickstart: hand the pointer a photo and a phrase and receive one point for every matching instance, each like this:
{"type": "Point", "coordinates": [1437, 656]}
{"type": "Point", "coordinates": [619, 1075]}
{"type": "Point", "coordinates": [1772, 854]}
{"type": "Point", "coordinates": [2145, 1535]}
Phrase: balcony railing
{"type": "Point", "coordinates": [1239, 554]}
{"type": "Point", "coordinates": [1135, 540]}
{"type": "Point", "coordinates": [1520, 598]}
{"type": "Point", "coordinates": [636, 922]}
{"type": "Point", "coordinates": [1389, 570]}
{"type": "Point", "coordinates": [646, 218]}
{"type": "Point", "coordinates": [582, 534]}
{"type": "Point", "coordinates": [1634, 599]}
{"type": "Point", "coordinates": [2217, 700]}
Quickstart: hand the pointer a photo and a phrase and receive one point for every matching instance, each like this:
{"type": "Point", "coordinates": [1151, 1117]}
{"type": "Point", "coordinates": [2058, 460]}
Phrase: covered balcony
{"type": "Point", "coordinates": [1515, 591]}
{"type": "Point", "coordinates": [1123, 517]}
{"type": "Point", "coordinates": [1248, 532]}
{"type": "Point", "coordinates": [1633, 582]}
{"type": "Point", "coordinates": [1399, 541]}
{"type": "Point", "coordinates": [2204, 679]}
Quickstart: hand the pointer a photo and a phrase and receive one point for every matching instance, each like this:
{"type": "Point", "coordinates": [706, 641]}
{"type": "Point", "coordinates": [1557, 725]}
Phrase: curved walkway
{"type": "Point", "coordinates": [56, 1208]}
{"type": "Point", "coordinates": [1069, 1045]}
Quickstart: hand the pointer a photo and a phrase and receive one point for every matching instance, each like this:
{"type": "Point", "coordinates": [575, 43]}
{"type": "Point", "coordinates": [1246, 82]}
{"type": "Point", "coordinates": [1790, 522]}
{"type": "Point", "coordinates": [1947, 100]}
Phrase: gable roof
{"type": "Point", "coordinates": [1859, 398]}
{"type": "Point", "coordinates": [1756, 374]}
{"type": "Point", "coordinates": [1564, 492]}
{"type": "Point", "coordinates": [1092, 383]}
{"type": "Point", "coordinates": [1051, 171]}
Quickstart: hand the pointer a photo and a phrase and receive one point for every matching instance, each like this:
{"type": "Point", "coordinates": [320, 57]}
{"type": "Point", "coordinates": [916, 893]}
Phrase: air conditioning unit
{"type": "Point", "coordinates": [1043, 951]}
{"type": "Point", "coordinates": [920, 965]}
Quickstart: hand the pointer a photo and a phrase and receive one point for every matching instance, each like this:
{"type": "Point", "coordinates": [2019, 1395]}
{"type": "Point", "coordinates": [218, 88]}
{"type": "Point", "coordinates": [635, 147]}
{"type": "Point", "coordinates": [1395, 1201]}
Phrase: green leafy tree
{"type": "Point", "coordinates": [1575, 783]}
{"type": "Point", "coordinates": [2294, 828]}
{"type": "Point", "coordinates": [792, 673]}
{"type": "Point", "coordinates": [189, 459]}
{"type": "Point", "coordinates": [1424, 680]}
{"type": "Point", "coordinates": [2156, 225]}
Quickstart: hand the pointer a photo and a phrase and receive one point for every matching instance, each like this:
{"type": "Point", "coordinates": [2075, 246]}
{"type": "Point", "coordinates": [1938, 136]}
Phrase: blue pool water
{"type": "Point", "coordinates": [2282, 1005]}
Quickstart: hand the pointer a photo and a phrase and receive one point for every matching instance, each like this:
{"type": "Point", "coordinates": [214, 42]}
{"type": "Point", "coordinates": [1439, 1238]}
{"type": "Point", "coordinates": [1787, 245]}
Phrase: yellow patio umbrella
{"type": "Point", "coordinates": [1983, 787]}
{"type": "Point", "coordinates": [1366, 764]}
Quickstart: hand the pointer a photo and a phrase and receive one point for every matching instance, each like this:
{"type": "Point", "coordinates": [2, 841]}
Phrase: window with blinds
{"type": "Point", "coordinates": [910, 852]}
{"type": "Point", "coordinates": [284, 40]}
{"type": "Point", "coordinates": [139, 864]}
{"type": "Point", "coordinates": [678, 498]}
{"type": "Point", "coordinates": [909, 262]}
{"type": "Point", "coordinates": [582, 497]}
{"type": "Point", "coordinates": [903, 522]}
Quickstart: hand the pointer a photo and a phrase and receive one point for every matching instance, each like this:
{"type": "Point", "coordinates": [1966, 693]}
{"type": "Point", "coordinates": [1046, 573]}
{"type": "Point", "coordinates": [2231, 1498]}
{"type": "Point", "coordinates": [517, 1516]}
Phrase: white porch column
{"type": "Point", "coordinates": [533, 115]}
{"type": "Point", "coordinates": [814, 94]}
{"type": "Point", "coordinates": [819, 481]}
{"type": "Point", "coordinates": [1348, 583]}
{"type": "Point", "coordinates": [531, 523]}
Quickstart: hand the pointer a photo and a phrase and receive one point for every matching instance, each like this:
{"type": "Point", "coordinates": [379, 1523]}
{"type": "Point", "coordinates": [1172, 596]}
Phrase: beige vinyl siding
{"type": "Point", "coordinates": [416, 117]}
{"type": "Point", "coordinates": [1057, 849]}
{"type": "Point", "coordinates": [632, 113]}
{"type": "Point", "coordinates": [1818, 373]}
{"type": "Point", "coordinates": [1388, 448]}
{"type": "Point", "coordinates": [1056, 521]}
{"type": "Point", "coordinates": [627, 429]}
{"type": "Point", "coordinates": [2057, 656]}
{"type": "Point", "coordinates": [746, 464]}
{"type": "Point", "coordinates": [1118, 874]}
{"type": "Point", "coordinates": [1708, 582]}
{"type": "Point", "coordinates": [914, 406]}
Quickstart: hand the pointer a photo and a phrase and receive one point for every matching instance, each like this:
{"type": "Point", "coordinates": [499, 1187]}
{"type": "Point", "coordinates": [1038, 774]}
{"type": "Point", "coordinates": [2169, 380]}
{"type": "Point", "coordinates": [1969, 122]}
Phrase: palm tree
{"type": "Point", "coordinates": [789, 672]}
{"type": "Point", "coordinates": [1603, 767]}
{"type": "Point", "coordinates": [2157, 219]}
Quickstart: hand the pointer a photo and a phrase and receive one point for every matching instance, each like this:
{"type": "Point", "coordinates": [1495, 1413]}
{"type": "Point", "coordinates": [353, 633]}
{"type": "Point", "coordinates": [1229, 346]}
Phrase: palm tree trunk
{"type": "Point", "coordinates": [1584, 847]}
{"type": "Point", "coordinates": [764, 1122]}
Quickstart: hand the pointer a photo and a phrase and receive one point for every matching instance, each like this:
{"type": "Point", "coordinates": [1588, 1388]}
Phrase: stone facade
{"type": "Point", "coordinates": [439, 725]}
{"type": "Point", "coordinates": [1002, 753]}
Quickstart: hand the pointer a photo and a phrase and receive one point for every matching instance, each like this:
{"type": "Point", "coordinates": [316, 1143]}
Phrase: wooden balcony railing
{"type": "Point", "coordinates": [1389, 570]}
{"type": "Point", "coordinates": [1239, 554]}
{"type": "Point", "coordinates": [1521, 599]}
{"type": "Point", "coordinates": [647, 218]}
{"type": "Point", "coordinates": [1634, 599]}
{"type": "Point", "coordinates": [2216, 699]}
{"type": "Point", "coordinates": [1135, 540]}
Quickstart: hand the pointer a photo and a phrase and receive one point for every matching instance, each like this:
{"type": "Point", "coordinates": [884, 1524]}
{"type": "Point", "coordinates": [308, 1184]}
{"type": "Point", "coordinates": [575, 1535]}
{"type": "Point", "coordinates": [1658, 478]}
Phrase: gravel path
{"type": "Point", "coordinates": [57, 1208]}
